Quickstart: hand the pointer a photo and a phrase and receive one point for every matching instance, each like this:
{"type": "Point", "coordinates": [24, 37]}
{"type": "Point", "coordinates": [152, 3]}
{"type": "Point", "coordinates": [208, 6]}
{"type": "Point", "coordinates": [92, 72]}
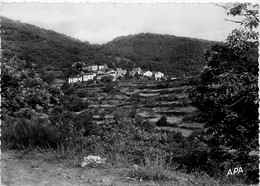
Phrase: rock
{"type": "Point", "coordinates": [92, 160]}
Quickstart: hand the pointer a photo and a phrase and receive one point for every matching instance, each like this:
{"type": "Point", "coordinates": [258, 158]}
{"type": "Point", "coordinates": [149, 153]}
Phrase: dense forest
{"type": "Point", "coordinates": [180, 56]}
{"type": "Point", "coordinates": [43, 47]}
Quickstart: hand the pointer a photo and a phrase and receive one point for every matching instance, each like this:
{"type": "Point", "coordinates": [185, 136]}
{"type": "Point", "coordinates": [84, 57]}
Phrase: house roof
{"type": "Point", "coordinates": [159, 73]}
{"type": "Point", "coordinates": [78, 76]}
{"type": "Point", "coordinates": [110, 71]}
{"type": "Point", "coordinates": [89, 73]}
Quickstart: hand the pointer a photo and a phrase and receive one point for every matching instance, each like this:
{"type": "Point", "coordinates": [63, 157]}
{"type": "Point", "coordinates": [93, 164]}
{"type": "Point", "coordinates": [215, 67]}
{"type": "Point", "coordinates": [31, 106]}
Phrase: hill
{"type": "Point", "coordinates": [173, 55]}
{"type": "Point", "coordinates": [177, 56]}
{"type": "Point", "coordinates": [43, 47]}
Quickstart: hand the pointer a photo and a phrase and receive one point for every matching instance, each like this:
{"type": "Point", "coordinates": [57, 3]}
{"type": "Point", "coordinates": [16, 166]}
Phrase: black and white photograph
{"type": "Point", "coordinates": [128, 93]}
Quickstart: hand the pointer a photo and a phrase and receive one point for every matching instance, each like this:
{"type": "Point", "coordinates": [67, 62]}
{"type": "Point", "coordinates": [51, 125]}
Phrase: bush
{"type": "Point", "coordinates": [91, 94]}
{"type": "Point", "coordinates": [24, 133]}
{"type": "Point", "coordinates": [48, 78]}
{"type": "Point", "coordinates": [76, 104]}
{"type": "Point", "coordinates": [82, 93]}
{"type": "Point", "coordinates": [108, 87]}
{"type": "Point", "coordinates": [162, 85]}
{"type": "Point", "coordinates": [162, 122]}
{"type": "Point", "coordinates": [69, 91]}
{"type": "Point", "coordinates": [22, 89]}
{"type": "Point", "coordinates": [83, 121]}
{"type": "Point", "coordinates": [147, 125]}
{"type": "Point", "coordinates": [152, 169]}
{"type": "Point", "coordinates": [106, 79]}
{"type": "Point", "coordinates": [132, 113]}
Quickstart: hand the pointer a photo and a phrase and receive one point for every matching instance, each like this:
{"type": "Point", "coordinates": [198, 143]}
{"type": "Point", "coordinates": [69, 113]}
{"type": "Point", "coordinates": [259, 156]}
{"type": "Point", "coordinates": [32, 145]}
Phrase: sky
{"type": "Point", "coordinates": [99, 23]}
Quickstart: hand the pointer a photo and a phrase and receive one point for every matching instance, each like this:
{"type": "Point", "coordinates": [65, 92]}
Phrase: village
{"type": "Point", "coordinates": [97, 72]}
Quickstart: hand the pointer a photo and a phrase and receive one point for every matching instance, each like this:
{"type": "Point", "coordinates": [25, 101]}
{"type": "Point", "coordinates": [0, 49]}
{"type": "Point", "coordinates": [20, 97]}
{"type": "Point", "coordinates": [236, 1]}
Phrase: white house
{"type": "Point", "coordinates": [99, 76]}
{"type": "Point", "coordinates": [102, 67]}
{"type": "Point", "coordinates": [137, 70]}
{"type": "Point", "coordinates": [158, 75]}
{"type": "Point", "coordinates": [75, 79]}
{"type": "Point", "coordinates": [90, 68]}
{"type": "Point", "coordinates": [148, 74]}
{"type": "Point", "coordinates": [120, 72]}
{"type": "Point", "coordinates": [112, 73]}
{"type": "Point", "coordinates": [88, 76]}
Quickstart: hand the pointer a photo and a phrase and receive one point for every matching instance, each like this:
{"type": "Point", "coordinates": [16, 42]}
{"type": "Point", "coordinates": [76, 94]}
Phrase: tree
{"type": "Point", "coordinates": [106, 79]}
{"type": "Point", "coordinates": [226, 93]}
{"type": "Point", "coordinates": [75, 104]}
{"type": "Point", "coordinates": [79, 66]}
{"type": "Point", "coordinates": [48, 78]}
{"type": "Point", "coordinates": [162, 122]}
{"type": "Point", "coordinates": [108, 87]}
{"type": "Point", "coordinates": [23, 91]}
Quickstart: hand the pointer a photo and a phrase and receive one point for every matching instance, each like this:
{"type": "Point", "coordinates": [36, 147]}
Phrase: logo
{"type": "Point", "coordinates": [237, 170]}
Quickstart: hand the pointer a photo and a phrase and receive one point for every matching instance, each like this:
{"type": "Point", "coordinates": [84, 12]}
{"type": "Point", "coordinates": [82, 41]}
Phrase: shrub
{"type": "Point", "coordinates": [23, 89]}
{"type": "Point", "coordinates": [83, 93]}
{"type": "Point", "coordinates": [69, 91]}
{"type": "Point", "coordinates": [83, 121]}
{"type": "Point", "coordinates": [25, 133]}
{"type": "Point", "coordinates": [152, 169]}
{"type": "Point", "coordinates": [162, 122]}
{"type": "Point", "coordinates": [48, 78]}
{"type": "Point", "coordinates": [106, 79]}
{"type": "Point", "coordinates": [192, 117]}
{"type": "Point", "coordinates": [132, 113]}
{"type": "Point", "coordinates": [162, 85]}
{"type": "Point", "coordinates": [147, 125]}
{"type": "Point", "coordinates": [135, 98]}
{"type": "Point", "coordinates": [108, 87]}
{"type": "Point", "coordinates": [76, 104]}
{"type": "Point", "coordinates": [91, 94]}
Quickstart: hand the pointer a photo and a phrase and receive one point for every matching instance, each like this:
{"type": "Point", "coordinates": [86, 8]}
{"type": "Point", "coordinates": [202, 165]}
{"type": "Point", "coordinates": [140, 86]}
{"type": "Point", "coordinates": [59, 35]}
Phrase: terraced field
{"type": "Point", "coordinates": [150, 99]}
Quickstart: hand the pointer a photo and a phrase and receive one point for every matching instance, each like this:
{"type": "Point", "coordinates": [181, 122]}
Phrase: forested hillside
{"type": "Point", "coordinates": [176, 56]}
{"type": "Point", "coordinates": [170, 54]}
{"type": "Point", "coordinates": [43, 47]}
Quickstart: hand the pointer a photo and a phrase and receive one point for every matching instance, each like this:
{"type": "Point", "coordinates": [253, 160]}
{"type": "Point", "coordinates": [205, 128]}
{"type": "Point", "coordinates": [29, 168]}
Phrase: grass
{"type": "Point", "coordinates": [158, 171]}
{"type": "Point", "coordinates": [152, 169]}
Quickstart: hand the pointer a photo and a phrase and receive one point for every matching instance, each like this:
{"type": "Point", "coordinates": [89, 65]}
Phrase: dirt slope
{"type": "Point", "coordinates": [18, 170]}
{"type": "Point", "coordinates": [26, 170]}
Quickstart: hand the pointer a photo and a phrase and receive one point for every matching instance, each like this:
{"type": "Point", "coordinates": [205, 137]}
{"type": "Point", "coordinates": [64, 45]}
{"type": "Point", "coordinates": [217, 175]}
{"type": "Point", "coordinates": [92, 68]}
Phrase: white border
{"type": "Point", "coordinates": [129, 1]}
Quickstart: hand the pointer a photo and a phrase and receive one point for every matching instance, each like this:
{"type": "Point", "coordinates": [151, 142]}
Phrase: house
{"type": "Point", "coordinates": [148, 74]}
{"type": "Point", "coordinates": [112, 73]}
{"type": "Point", "coordinates": [158, 75]}
{"type": "Point", "coordinates": [90, 68]}
{"type": "Point", "coordinates": [75, 79]}
{"type": "Point", "coordinates": [131, 73]}
{"type": "Point", "coordinates": [120, 72]}
{"type": "Point", "coordinates": [99, 76]}
{"type": "Point", "coordinates": [88, 76]}
{"type": "Point", "coordinates": [100, 72]}
{"type": "Point", "coordinates": [102, 67]}
{"type": "Point", "coordinates": [137, 70]}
